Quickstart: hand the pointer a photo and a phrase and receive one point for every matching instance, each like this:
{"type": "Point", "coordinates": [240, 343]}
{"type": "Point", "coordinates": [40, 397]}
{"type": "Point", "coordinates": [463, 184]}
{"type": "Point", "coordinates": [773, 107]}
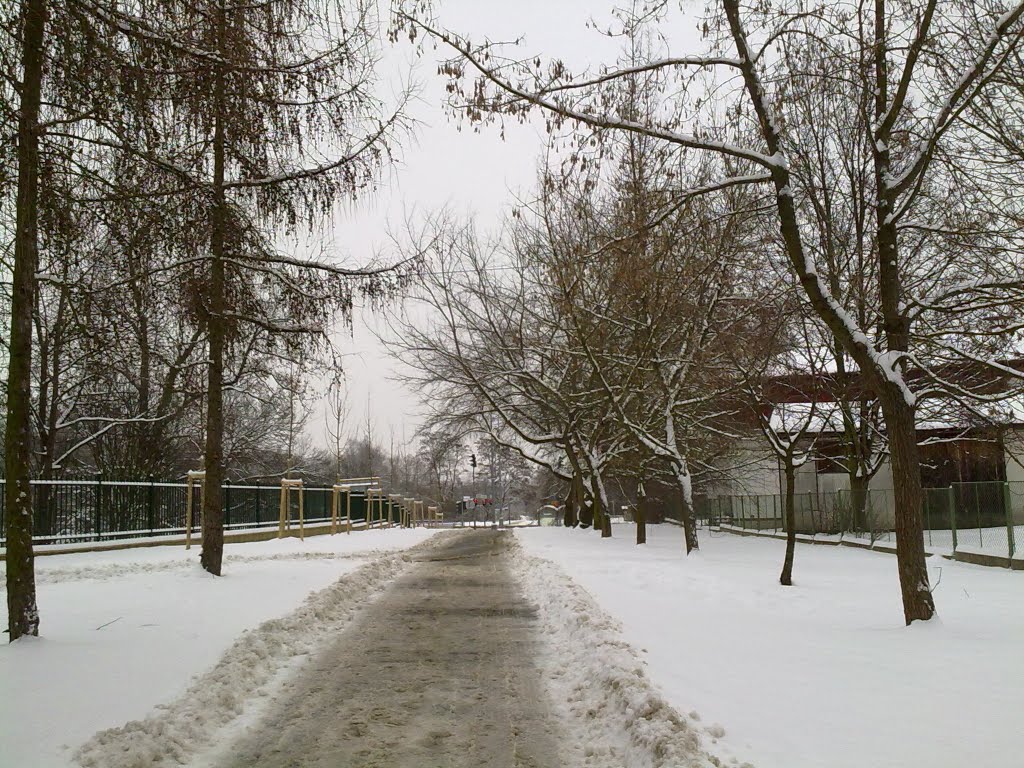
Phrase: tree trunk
{"type": "Point", "coordinates": [570, 517]}
{"type": "Point", "coordinates": [786, 579]}
{"type": "Point", "coordinates": [859, 504]}
{"type": "Point", "coordinates": [584, 513]}
{"type": "Point", "coordinates": [602, 519]}
{"type": "Point", "coordinates": [596, 511]}
{"type": "Point", "coordinates": [686, 509]}
{"type": "Point", "coordinates": [641, 520]}
{"type": "Point", "coordinates": [213, 509]}
{"type": "Point", "coordinates": [898, 412]}
{"type": "Point", "coordinates": [908, 497]}
{"type": "Point", "coordinates": [23, 613]}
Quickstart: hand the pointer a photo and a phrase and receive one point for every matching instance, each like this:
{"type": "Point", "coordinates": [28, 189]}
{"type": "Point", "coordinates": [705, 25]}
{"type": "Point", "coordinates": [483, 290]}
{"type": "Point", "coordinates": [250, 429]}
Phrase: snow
{"type": "Point", "coordinates": [615, 716]}
{"type": "Point", "coordinates": [126, 630]}
{"type": "Point", "coordinates": [790, 418]}
{"type": "Point", "coordinates": [982, 541]}
{"type": "Point", "coordinates": [660, 659]}
{"type": "Point", "coordinates": [992, 540]}
{"type": "Point", "coordinates": [822, 673]}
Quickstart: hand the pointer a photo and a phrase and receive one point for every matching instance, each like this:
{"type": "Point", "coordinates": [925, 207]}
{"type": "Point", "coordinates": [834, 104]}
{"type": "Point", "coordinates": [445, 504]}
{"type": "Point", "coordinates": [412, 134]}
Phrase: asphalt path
{"type": "Point", "coordinates": [436, 673]}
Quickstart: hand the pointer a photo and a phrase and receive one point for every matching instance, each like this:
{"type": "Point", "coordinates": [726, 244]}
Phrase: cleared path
{"type": "Point", "coordinates": [438, 673]}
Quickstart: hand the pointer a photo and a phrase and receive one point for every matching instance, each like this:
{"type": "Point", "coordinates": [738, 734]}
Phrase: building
{"type": "Point", "coordinates": [972, 458]}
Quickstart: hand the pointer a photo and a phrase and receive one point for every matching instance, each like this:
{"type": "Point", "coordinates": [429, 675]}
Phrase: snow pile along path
{"type": "Point", "coordinates": [185, 563]}
{"type": "Point", "coordinates": [617, 715]}
{"type": "Point", "coordinates": [176, 732]}
{"type": "Point", "coordinates": [443, 675]}
{"type": "Point", "coordinates": [823, 673]}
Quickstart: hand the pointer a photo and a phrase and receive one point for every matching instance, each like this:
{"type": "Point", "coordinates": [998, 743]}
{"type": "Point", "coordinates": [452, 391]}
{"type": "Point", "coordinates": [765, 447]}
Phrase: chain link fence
{"type": "Point", "coordinates": [69, 511]}
{"type": "Point", "coordinates": [982, 517]}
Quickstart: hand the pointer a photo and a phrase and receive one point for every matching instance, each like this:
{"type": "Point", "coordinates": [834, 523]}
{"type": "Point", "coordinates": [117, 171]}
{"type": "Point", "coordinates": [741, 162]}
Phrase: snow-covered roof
{"type": "Point", "coordinates": [937, 413]}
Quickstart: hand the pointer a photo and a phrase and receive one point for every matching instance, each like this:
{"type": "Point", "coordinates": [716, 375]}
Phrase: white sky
{"type": "Point", "coordinates": [468, 172]}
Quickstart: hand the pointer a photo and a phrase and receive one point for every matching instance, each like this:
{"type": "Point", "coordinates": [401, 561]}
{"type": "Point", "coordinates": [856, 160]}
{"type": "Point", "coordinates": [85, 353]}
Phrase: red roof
{"type": "Point", "coordinates": [972, 377]}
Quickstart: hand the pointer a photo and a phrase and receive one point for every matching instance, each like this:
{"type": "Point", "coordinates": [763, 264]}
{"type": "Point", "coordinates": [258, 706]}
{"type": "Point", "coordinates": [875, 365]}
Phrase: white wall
{"type": "Point", "coordinates": [1015, 474]}
{"type": "Point", "coordinates": [759, 475]}
{"type": "Point", "coordinates": [755, 471]}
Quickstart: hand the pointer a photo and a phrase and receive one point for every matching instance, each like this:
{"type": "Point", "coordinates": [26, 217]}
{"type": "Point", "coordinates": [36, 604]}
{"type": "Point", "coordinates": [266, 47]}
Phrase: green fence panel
{"type": "Point", "coordinates": [96, 509]}
{"type": "Point", "coordinates": [985, 515]}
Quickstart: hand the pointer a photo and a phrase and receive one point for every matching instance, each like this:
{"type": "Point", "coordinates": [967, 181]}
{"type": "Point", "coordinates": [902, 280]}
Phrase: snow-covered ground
{"type": "Point", "coordinates": [985, 541]}
{"type": "Point", "coordinates": [822, 673]}
{"type": "Point", "coordinates": [124, 631]}
{"type": "Point", "coordinates": [613, 714]}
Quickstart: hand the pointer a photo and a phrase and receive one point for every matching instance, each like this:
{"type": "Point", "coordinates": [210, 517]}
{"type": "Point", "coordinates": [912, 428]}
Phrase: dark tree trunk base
{"type": "Point", "coordinates": [786, 579]}
{"type": "Point", "coordinates": [686, 516]}
{"type": "Point", "coordinates": [909, 498]}
{"type": "Point", "coordinates": [22, 611]}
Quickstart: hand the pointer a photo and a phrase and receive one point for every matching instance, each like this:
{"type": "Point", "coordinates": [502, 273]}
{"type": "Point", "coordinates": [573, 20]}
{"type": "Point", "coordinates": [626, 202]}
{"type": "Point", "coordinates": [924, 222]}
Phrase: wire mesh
{"type": "Point", "coordinates": [95, 509]}
{"type": "Point", "coordinates": [986, 517]}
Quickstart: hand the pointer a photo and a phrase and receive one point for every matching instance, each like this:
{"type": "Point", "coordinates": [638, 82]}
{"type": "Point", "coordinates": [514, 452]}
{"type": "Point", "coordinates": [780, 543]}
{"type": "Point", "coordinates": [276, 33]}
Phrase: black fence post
{"type": "Point", "coordinates": [951, 500]}
{"type": "Point", "coordinates": [259, 493]}
{"type": "Point", "coordinates": [227, 505]}
{"type": "Point", "coordinates": [99, 505]}
{"type": "Point", "coordinates": [152, 505]}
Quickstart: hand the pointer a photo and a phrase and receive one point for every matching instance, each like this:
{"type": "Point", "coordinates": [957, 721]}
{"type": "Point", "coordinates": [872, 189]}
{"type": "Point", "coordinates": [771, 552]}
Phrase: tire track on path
{"type": "Point", "coordinates": [438, 673]}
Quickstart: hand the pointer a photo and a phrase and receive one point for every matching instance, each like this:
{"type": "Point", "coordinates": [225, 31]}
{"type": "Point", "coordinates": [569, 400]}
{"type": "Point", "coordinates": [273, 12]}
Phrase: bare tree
{"type": "Point", "coordinates": [274, 125]}
{"type": "Point", "coordinates": [495, 359]}
{"type": "Point", "coordinates": [665, 278]}
{"type": "Point", "coordinates": [441, 452]}
{"type": "Point", "coordinates": [797, 361]}
{"type": "Point", "coordinates": [338, 411]}
{"type": "Point", "coordinates": [892, 53]}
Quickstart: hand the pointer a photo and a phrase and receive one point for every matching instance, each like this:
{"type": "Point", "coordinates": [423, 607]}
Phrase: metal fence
{"type": "Point", "coordinates": [68, 511]}
{"type": "Point", "coordinates": [986, 517]}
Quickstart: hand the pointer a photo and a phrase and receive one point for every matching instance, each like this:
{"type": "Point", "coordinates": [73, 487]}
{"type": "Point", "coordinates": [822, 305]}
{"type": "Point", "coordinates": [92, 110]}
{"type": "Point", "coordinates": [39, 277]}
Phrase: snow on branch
{"type": "Point", "coordinates": [651, 66]}
{"type": "Point", "coordinates": [970, 81]}
{"type": "Point", "coordinates": [299, 174]}
{"type": "Point", "coordinates": [539, 98]}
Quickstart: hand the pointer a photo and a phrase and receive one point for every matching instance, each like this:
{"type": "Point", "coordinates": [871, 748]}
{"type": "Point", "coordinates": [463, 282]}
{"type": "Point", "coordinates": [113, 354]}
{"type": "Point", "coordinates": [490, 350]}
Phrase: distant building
{"type": "Point", "coordinates": [970, 456]}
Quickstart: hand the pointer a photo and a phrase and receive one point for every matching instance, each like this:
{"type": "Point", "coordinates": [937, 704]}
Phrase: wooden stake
{"type": "Point", "coordinates": [287, 484]}
{"type": "Point", "coordinates": [282, 509]}
{"type": "Point", "coordinates": [334, 510]}
{"type": "Point", "coordinates": [193, 475]}
{"type": "Point", "coordinates": [188, 515]}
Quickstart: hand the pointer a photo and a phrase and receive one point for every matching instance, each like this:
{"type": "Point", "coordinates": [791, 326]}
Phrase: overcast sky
{"type": "Point", "coordinates": [469, 172]}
